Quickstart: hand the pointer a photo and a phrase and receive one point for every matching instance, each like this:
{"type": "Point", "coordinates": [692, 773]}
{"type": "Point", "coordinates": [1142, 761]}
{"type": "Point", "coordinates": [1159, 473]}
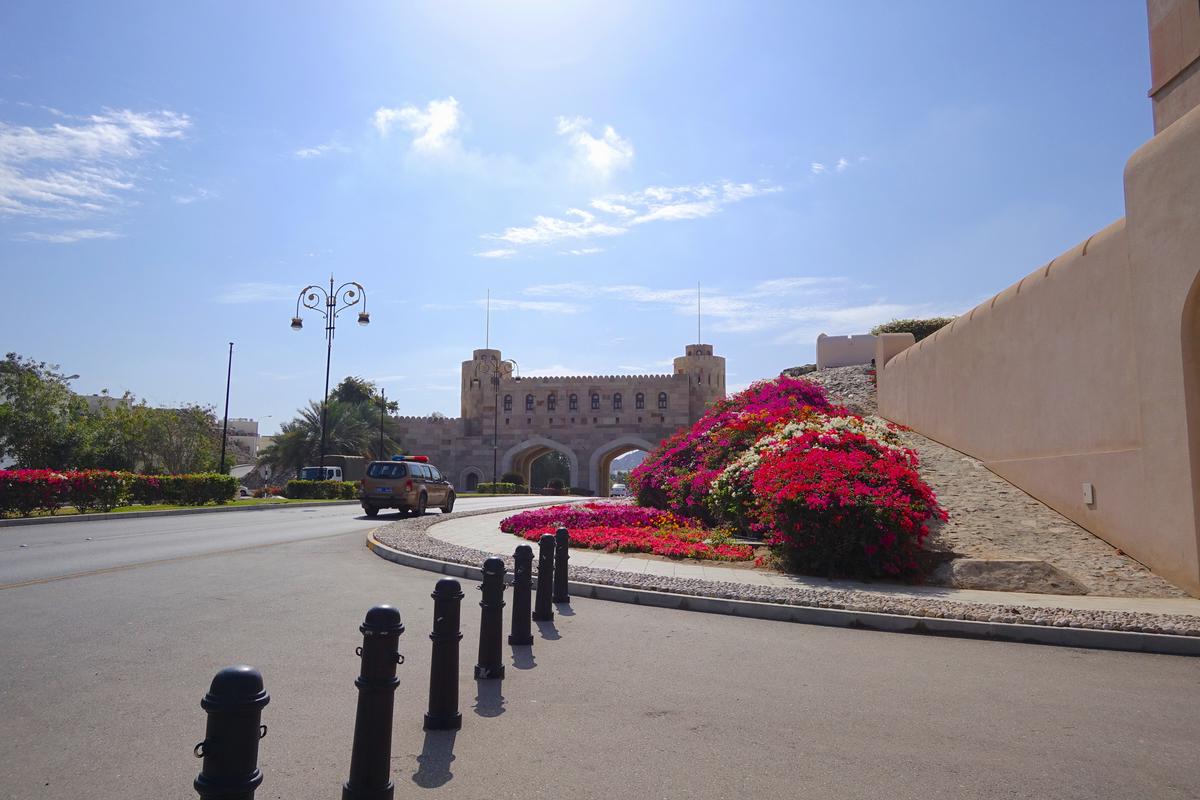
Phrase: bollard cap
{"type": "Point", "coordinates": [236, 688]}
{"type": "Point", "coordinates": [547, 541]}
{"type": "Point", "coordinates": [523, 553]}
{"type": "Point", "coordinates": [382, 620]}
{"type": "Point", "coordinates": [561, 535]}
{"type": "Point", "coordinates": [447, 589]}
{"type": "Point", "coordinates": [493, 566]}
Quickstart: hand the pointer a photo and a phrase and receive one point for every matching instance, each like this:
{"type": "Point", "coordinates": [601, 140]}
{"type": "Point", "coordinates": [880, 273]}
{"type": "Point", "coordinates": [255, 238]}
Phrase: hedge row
{"type": "Point", "coordinates": [321, 490]}
{"type": "Point", "coordinates": [28, 490]}
{"type": "Point", "coordinates": [500, 488]}
{"type": "Point", "coordinates": [919, 328]}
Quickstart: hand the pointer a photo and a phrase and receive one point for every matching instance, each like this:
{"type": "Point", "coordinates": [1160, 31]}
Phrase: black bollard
{"type": "Point", "coordinates": [371, 756]}
{"type": "Point", "coordinates": [443, 712]}
{"type": "Point", "coordinates": [562, 541]}
{"type": "Point", "coordinates": [234, 704]}
{"type": "Point", "coordinates": [522, 588]}
{"type": "Point", "coordinates": [491, 621]}
{"type": "Point", "coordinates": [542, 610]}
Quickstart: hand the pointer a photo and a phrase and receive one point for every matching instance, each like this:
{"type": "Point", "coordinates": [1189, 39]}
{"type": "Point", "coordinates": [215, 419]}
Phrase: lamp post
{"type": "Point", "coordinates": [329, 304]}
{"type": "Point", "coordinates": [225, 426]}
{"type": "Point", "coordinates": [495, 367]}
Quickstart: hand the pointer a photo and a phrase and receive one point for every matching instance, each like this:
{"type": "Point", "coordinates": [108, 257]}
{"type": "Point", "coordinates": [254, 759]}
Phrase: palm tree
{"type": "Point", "coordinates": [351, 429]}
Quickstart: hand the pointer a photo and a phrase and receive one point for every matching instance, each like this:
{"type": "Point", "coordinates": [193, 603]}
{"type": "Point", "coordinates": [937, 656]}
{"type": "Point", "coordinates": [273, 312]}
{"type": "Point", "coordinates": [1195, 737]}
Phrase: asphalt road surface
{"type": "Point", "coordinates": [101, 677]}
{"type": "Point", "coordinates": [40, 552]}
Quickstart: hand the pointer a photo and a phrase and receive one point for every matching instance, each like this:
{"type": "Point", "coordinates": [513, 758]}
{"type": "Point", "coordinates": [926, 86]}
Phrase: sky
{"type": "Point", "coordinates": [173, 174]}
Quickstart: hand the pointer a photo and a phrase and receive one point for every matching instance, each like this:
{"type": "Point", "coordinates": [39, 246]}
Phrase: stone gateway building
{"type": "Point", "coordinates": [510, 421]}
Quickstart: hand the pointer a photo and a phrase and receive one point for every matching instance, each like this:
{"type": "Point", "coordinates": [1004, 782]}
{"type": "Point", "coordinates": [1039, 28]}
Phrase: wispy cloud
{"type": "Point", "coordinates": [841, 165]}
{"type": "Point", "coordinates": [620, 213]}
{"type": "Point", "coordinates": [582, 251]}
{"type": "Point", "coordinates": [64, 237]}
{"type": "Point", "coordinates": [81, 166]}
{"type": "Point", "coordinates": [503, 252]}
{"type": "Point", "coordinates": [194, 197]}
{"type": "Point", "coordinates": [599, 155]}
{"type": "Point", "coordinates": [538, 306]}
{"type": "Point", "coordinates": [257, 293]}
{"type": "Point", "coordinates": [433, 130]}
{"type": "Point", "coordinates": [796, 309]}
{"type": "Point", "coordinates": [318, 150]}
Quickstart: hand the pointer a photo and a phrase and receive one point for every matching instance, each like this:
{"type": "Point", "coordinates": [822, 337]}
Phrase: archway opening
{"type": "Point", "coordinates": [614, 470]}
{"type": "Point", "coordinates": [472, 482]}
{"type": "Point", "coordinates": [520, 461]}
{"type": "Point", "coordinates": [550, 470]}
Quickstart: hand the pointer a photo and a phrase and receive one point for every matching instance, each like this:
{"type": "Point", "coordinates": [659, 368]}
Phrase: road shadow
{"type": "Point", "coordinates": [437, 753]}
{"type": "Point", "coordinates": [564, 610]}
{"type": "Point", "coordinates": [547, 631]}
{"type": "Point", "coordinates": [523, 656]}
{"type": "Point", "coordinates": [489, 700]}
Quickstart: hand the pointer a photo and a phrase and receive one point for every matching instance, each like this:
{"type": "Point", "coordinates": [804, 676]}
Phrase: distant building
{"type": "Point", "coordinates": [589, 419]}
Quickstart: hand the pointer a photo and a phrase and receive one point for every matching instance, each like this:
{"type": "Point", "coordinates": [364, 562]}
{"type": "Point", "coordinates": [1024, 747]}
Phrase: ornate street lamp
{"type": "Point", "coordinates": [329, 304]}
{"type": "Point", "coordinates": [491, 365]}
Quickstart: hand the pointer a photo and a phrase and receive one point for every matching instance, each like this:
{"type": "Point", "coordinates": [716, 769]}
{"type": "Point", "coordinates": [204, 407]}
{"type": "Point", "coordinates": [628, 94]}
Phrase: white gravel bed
{"type": "Point", "coordinates": [409, 536]}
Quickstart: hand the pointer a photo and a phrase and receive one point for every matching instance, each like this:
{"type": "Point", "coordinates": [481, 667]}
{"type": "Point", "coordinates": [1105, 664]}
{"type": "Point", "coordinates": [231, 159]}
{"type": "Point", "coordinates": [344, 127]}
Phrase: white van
{"type": "Point", "coordinates": [618, 490]}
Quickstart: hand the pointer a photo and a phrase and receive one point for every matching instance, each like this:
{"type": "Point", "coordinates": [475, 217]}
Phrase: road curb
{"type": "Point", "coordinates": [1166, 644]}
{"type": "Point", "coordinates": [168, 512]}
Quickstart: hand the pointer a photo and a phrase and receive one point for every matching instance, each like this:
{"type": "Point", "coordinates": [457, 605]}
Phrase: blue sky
{"type": "Point", "coordinates": [172, 174]}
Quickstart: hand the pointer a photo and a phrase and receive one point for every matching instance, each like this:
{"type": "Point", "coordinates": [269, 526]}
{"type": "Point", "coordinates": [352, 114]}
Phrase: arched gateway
{"type": "Point", "coordinates": [508, 422]}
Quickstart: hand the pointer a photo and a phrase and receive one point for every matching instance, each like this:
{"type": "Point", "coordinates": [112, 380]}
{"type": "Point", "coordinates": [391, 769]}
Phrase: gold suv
{"type": "Point", "coordinates": [409, 483]}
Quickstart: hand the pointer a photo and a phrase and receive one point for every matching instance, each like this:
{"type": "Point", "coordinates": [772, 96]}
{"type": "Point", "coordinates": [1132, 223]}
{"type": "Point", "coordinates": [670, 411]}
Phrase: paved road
{"type": "Point", "coordinates": [101, 677]}
{"type": "Point", "coordinates": [40, 552]}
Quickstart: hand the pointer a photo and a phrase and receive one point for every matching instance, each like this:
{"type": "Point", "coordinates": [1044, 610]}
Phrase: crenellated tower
{"type": "Point", "coordinates": [706, 377]}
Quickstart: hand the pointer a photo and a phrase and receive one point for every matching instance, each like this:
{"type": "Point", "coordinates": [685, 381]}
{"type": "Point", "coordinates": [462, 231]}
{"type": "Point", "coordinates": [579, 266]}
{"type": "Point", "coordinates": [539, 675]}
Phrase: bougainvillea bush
{"type": "Point", "coordinates": [677, 476]}
{"type": "Point", "coordinates": [622, 528]}
{"type": "Point", "coordinates": [25, 491]}
{"type": "Point", "coordinates": [830, 491]}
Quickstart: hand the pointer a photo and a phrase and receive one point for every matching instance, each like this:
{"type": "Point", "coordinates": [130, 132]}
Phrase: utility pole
{"type": "Point", "coordinates": [382, 414]}
{"type": "Point", "coordinates": [225, 427]}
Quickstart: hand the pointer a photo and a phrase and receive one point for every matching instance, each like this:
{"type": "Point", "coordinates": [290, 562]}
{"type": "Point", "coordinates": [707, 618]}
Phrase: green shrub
{"type": "Point", "coordinates": [579, 491]}
{"type": "Point", "coordinates": [321, 490]}
{"type": "Point", "coordinates": [504, 487]}
{"type": "Point", "coordinates": [919, 328]}
{"type": "Point", "coordinates": [197, 489]}
{"type": "Point", "coordinates": [513, 477]}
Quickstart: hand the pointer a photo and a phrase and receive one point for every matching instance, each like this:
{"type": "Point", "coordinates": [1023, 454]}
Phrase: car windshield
{"type": "Point", "coordinates": [386, 469]}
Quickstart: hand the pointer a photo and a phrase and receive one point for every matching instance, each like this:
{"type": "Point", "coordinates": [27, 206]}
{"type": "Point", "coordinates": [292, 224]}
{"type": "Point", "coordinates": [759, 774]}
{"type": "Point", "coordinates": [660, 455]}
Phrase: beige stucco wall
{"type": "Point", "coordinates": [845, 351]}
{"type": "Point", "coordinates": [1087, 370]}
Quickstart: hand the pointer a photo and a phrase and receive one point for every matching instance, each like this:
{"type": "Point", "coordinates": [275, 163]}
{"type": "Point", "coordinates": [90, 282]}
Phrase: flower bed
{"type": "Point", "coordinates": [830, 491]}
{"type": "Point", "coordinates": [623, 528]}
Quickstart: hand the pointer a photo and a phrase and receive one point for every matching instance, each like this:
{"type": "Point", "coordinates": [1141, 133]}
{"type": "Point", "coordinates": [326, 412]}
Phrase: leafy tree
{"type": "Point", "coordinates": [551, 466]}
{"type": "Point", "coordinates": [42, 423]}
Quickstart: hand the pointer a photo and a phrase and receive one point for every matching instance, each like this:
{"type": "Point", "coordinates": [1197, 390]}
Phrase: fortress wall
{"type": "Point", "coordinates": [1088, 370]}
{"type": "Point", "coordinates": [844, 351]}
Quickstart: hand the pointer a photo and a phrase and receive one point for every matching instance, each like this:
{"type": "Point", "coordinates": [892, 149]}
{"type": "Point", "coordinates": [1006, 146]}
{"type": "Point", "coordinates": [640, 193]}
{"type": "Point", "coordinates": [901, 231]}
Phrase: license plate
{"type": "Point", "coordinates": [383, 489]}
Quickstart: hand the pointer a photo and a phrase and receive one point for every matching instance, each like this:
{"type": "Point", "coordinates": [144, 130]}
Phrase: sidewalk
{"type": "Point", "coordinates": [482, 533]}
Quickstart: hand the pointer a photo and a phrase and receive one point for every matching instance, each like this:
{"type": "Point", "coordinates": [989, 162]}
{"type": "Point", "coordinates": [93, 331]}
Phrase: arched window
{"type": "Point", "coordinates": [595, 402]}
{"type": "Point", "coordinates": [640, 400]}
{"type": "Point", "coordinates": [573, 402]}
{"type": "Point", "coordinates": [507, 403]}
{"type": "Point", "coordinates": [616, 401]}
{"type": "Point", "coordinates": [552, 403]}
{"type": "Point", "coordinates": [662, 399]}
{"type": "Point", "coordinates": [529, 402]}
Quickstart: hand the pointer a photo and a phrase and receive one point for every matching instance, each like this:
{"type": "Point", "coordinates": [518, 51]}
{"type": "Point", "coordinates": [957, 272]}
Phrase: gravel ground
{"type": "Point", "coordinates": [409, 535]}
{"type": "Point", "coordinates": [992, 519]}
